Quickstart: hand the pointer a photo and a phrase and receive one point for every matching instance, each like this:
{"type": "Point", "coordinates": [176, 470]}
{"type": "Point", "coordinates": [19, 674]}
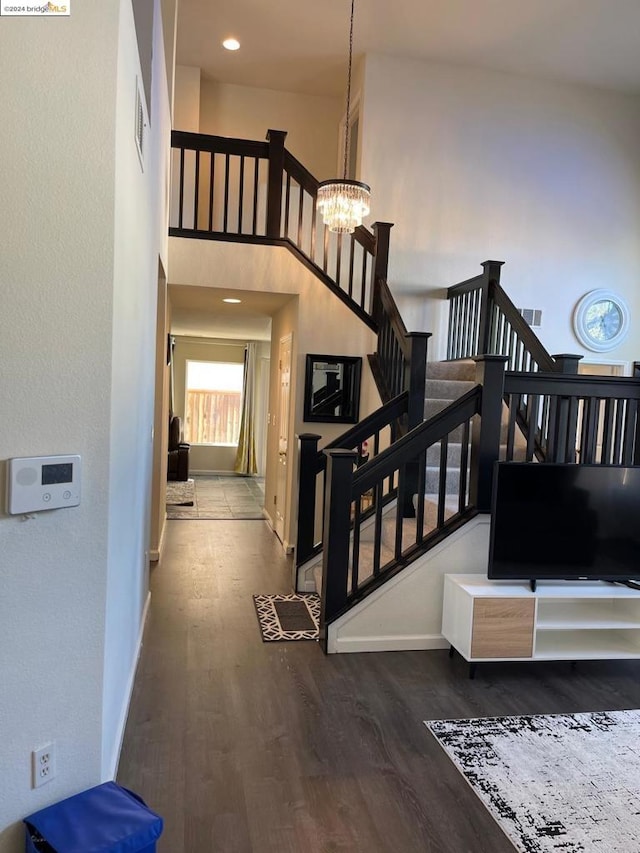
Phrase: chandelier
{"type": "Point", "coordinates": [343, 202]}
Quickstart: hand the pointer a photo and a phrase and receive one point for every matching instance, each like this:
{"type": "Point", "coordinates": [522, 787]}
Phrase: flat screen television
{"type": "Point", "coordinates": [571, 522]}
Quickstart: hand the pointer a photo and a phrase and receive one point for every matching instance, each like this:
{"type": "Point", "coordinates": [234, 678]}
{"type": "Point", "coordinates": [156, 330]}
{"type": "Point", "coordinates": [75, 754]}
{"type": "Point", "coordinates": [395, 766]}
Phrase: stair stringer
{"type": "Point", "coordinates": [405, 613]}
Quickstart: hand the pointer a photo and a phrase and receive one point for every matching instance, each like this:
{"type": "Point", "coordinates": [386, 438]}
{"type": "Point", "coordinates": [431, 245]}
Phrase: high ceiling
{"type": "Point", "coordinates": [301, 45]}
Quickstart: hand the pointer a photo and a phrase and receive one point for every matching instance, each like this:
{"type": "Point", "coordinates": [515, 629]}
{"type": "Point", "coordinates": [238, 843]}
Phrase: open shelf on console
{"type": "Point", "coordinates": [571, 620]}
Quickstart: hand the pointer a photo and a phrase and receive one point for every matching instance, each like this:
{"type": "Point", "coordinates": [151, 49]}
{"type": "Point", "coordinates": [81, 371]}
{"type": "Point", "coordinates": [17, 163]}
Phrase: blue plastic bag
{"type": "Point", "coordinates": [104, 819]}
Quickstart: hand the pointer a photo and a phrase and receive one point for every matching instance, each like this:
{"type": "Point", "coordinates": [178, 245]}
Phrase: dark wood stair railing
{"type": "Point", "coordinates": [370, 433]}
{"type": "Point", "coordinates": [342, 586]}
{"type": "Point", "coordinates": [257, 192]}
{"type": "Point", "coordinates": [484, 320]}
{"type": "Point", "coordinates": [575, 419]}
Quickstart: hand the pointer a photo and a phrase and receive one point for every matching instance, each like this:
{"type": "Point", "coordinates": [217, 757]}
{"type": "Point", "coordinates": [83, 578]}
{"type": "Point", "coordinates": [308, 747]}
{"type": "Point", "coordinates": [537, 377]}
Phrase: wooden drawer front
{"type": "Point", "coordinates": [502, 628]}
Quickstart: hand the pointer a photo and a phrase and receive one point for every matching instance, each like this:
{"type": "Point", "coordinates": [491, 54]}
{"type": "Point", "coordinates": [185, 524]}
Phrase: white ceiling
{"type": "Point", "coordinates": [200, 312]}
{"type": "Point", "coordinates": [301, 45]}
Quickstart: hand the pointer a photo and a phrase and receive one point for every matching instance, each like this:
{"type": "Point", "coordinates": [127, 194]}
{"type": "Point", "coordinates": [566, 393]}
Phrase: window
{"type": "Point", "coordinates": [214, 401]}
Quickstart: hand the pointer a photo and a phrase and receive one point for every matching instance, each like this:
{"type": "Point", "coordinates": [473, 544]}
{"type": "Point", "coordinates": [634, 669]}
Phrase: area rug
{"type": "Point", "coordinates": [180, 492]}
{"type": "Point", "coordinates": [288, 617]}
{"type": "Point", "coordinates": [217, 498]}
{"type": "Point", "coordinates": [567, 783]}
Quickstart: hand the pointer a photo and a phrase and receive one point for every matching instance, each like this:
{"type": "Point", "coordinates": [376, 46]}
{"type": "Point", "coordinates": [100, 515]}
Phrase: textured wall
{"type": "Point", "coordinates": [56, 281]}
{"type": "Point", "coordinates": [78, 280]}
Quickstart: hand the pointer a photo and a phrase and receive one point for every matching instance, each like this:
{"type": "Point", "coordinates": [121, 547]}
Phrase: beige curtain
{"type": "Point", "coordinates": [246, 462]}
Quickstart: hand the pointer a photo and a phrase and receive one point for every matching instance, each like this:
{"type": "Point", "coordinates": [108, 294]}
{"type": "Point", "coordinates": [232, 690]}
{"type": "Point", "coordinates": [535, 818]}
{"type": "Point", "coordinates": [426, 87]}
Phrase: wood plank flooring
{"type": "Point", "coordinates": [251, 747]}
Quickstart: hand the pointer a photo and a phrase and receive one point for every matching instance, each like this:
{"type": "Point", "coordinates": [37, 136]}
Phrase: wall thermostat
{"type": "Point", "coordinates": [42, 482]}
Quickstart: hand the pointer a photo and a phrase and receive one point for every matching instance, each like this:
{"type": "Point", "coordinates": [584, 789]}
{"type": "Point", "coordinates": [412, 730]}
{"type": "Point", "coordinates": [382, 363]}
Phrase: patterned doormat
{"type": "Point", "coordinates": [288, 617]}
{"type": "Point", "coordinates": [568, 783]}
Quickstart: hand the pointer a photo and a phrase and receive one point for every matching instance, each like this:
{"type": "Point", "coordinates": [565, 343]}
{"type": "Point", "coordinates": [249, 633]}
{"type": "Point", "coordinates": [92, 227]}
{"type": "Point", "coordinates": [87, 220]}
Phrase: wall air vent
{"type": "Point", "coordinates": [532, 316]}
{"type": "Point", "coordinates": [140, 124]}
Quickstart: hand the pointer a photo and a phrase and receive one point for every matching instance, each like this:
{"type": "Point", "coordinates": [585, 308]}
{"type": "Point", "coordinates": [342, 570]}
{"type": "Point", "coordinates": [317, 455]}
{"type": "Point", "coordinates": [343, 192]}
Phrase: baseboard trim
{"type": "Point", "coordinates": [113, 770]}
{"type": "Point", "coordinates": [155, 554]}
{"type": "Point", "coordinates": [407, 643]}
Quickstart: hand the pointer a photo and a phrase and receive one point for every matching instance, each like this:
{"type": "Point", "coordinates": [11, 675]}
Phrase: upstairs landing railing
{"type": "Point", "coordinates": [257, 192]}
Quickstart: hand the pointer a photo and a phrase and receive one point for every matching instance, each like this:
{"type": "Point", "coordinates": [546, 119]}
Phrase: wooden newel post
{"type": "Point", "coordinates": [416, 376]}
{"type": "Point", "coordinates": [567, 363]}
{"type": "Point", "coordinates": [337, 534]}
{"type": "Point", "coordinates": [491, 277]}
{"type": "Point", "coordinates": [380, 267]}
{"type": "Point", "coordinates": [275, 138]}
{"type": "Point", "coordinates": [308, 471]}
{"type": "Point", "coordinates": [485, 435]}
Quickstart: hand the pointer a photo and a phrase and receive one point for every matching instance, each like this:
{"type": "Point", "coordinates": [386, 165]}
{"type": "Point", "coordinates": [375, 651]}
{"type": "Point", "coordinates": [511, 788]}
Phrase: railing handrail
{"type": "Point", "coordinates": [517, 322]}
{"type": "Point", "coordinates": [234, 202]}
{"type": "Point", "coordinates": [465, 286]}
{"type": "Point", "coordinates": [395, 318]}
{"type": "Point", "coordinates": [219, 144]}
{"type": "Point", "coordinates": [417, 440]}
{"type": "Point", "coordinates": [575, 385]}
{"type": "Point", "coordinates": [377, 420]}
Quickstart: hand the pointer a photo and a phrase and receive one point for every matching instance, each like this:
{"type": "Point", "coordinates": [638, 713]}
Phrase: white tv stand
{"type": "Point", "coordinates": [486, 620]}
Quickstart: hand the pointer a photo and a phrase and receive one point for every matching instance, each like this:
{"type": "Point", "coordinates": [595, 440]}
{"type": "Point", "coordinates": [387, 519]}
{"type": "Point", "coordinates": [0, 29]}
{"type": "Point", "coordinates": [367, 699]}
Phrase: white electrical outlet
{"type": "Point", "coordinates": [43, 764]}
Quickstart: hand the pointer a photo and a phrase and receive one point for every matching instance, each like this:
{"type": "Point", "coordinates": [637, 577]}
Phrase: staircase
{"type": "Point", "coordinates": [446, 382]}
{"type": "Point", "coordinates": [499, 395]}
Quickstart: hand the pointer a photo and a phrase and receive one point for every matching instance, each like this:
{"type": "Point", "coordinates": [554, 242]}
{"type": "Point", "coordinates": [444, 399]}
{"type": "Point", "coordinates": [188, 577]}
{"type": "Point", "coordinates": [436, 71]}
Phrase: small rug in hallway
{"type": "Point", "coordinates": [217, 497]}
{"type": "Point", "coordinates": [288, 617]}
{"type": "Point", "coordinates": [180, 492]}
{"type": "Point", "coordinates": [567, 783]}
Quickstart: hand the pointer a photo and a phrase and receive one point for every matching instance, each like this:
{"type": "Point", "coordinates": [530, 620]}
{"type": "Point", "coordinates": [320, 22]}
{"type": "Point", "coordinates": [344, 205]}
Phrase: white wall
{"type": "Point", "coordinates": [472, 165]}
{"type": "Point", "coordinates": [311, 121]}
{"type": "Point", "coordinates": [140, 240]}
{"type": "Point", "coordinates": [63, 308]}
{"type": "Point", "coordinates": [186, 110]}
{"type": "Point", "coordinates": [406, 612]}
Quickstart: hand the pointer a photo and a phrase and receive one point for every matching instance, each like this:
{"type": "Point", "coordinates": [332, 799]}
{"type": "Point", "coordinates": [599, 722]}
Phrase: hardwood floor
{"type": "Point", "coordinates": [251, 747]}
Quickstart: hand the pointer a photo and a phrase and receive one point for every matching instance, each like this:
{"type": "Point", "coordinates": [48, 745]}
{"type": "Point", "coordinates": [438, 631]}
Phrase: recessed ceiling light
{"type": "Point", "coordinates": [231, 44]}
{"type": "Point", "coordinates": [232, 301]}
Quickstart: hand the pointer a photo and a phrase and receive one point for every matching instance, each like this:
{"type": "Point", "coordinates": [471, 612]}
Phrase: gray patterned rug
{"type": "Point", "coordinates": [288, 617]}
{"type": "Point", "coordinates": [215, 497]}
{"type": "Point", "coordinates": [568, 783]}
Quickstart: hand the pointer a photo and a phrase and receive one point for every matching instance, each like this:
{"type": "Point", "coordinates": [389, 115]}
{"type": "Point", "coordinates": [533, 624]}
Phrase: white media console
{"type": "Point", "coordinates": [487, 620]}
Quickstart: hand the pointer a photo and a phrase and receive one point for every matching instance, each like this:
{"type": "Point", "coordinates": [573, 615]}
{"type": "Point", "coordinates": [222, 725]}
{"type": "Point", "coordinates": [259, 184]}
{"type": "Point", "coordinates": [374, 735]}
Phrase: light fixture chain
{"type": "Point", "coordinates": [346, 124]}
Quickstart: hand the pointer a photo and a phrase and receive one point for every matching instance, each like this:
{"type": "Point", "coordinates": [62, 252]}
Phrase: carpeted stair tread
{"type": "Point", "coordinates": [365, 563]}
{"type": "Point", "coordinates": [465, 369]}
{"type": "Point", "coordinates": [447, 389]}
{"type": "Point", "coordinates": [409, 524]}
{"type": "Point", "coordinates": [454, 451]}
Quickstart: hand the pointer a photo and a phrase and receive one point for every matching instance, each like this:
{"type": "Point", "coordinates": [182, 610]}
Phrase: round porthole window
{"type": "Point", "coordinates": [601, 320]}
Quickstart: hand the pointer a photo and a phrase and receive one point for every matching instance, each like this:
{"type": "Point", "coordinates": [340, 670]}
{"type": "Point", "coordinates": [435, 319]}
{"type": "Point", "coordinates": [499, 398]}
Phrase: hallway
{"type": "Point", "coordinates": [250, 747]}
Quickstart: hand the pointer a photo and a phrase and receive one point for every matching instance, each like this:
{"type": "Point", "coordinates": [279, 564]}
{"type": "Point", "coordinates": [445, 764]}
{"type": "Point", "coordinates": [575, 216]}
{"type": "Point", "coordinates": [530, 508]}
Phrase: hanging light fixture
{"type": "Point", "coordinates": [343, 202]}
